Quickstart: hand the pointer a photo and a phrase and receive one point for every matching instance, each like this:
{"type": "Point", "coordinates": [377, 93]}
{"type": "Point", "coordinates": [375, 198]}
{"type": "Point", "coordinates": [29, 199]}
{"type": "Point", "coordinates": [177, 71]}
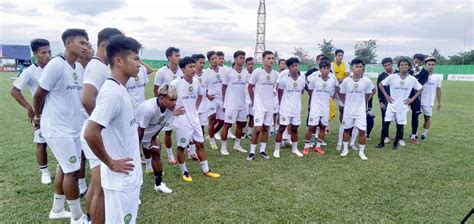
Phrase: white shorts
{"type": "Point", "coordinates": [184, 136]}
{"type": "Point", "coordinates": [121, 206]}
{"type": "Point", "coordinates": [93, 160]}
{"type": "Point", "coordinates": [169, 124]}
{"type": "Point", "coordinates": [250, 111]}
{"type": "Point", "coordinates": [67, 151]}
{"type": "Point", "coordinates": [399, 117]}
{"type": "Point", "coordinates": [38, 138]}
{"type": "Point", "coordinates": [218, 110]}
{"type": "Point", "coordinates": [286, 120]}
{"type": "Point", "coordinates": [427, 110]}
{"type": "Point", "coordinates": [276, 109]}
{"type": "Point", "coordinates": [358, 122]}
{"type": "Point", "coordinates": [263, 118]}
{"type": "Point", "coordinates": [203, 118]}
{"type": "Point", "coordinates": [314, 120]}
{"type": "Point", "coordinates": [339, 101]}
{"type": "Point", "coordinates": [231, 116]}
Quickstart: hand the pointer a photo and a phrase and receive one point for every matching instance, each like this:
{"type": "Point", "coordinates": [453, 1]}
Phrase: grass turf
{"type": "Point", "coordinates": [430, 182]}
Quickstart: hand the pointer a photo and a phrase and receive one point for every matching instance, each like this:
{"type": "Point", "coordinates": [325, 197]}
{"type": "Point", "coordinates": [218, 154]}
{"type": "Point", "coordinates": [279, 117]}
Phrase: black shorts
{"type": "Point", "coordinates": [416, 106]}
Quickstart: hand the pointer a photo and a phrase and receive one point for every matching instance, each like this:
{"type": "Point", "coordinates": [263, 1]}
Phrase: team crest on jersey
{"type": "Point", "coordinates": [127, 219]}
{"type": "Point", "coordinates": [325, 85]}
{"type": "Point", "coordinates": [137, 78]}
{"type": "Point", "coordinates": [268, 77]}
{"type": "Point", "coordinates": [183, 140]}
{"type": "Point", "coordinates": [174, 77]}
{"type": "Point", "coordinates": [295, 85]}
{"type": "Point", "coordinates": [73, 159]}
{"type": "Point", "coordinates": [200, 80]}
{"type": "Point", "coordinates": [190, 89]}
{"type": "Point", "coordinates": [402, 83]}
{"type": "Point", "coordinates": [239, 77]}
{"type": "Point", "coordinates": [356, 85]}
{"type": "Point", "coordinates": [218, 76]}
{"type": "Point", "coordinates": [74, 76]}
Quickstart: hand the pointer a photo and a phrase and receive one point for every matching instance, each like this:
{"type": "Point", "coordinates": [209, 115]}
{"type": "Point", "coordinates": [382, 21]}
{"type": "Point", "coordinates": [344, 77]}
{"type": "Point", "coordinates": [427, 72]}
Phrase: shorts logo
{"type": "Point", "coordinates": [256, 120]}
{"type": "Point", "coordinates": [40, 135]}
{"type": "Point", "coordinates": [311, 119]}
{"type": "Point", "coordinates": [356, 85]}
{"type": "Point", "coordinates": [230, 117]}
{"type": "Point", "coordinates": [73, 159]}
{"type": "Point", "coordinates": [74, 76]}
{"type": "Point", "coordinates": [190, 89]}
{"type": "Point", "coordinates": [137, 78]}
{"type": "Point", "coordinates": [174, 77]}
{"type": "Point", "coordinates": [325, 85]}
{"type": "Point", "coordinates": [127, 219]}
{"type": "Point", "coordinates": [402, 83]}
{"type": "Point", "coordinates": [182, 140]}
{"type": "Point", "coordinates": [239, 77]}
{"type": "Point", "coordinates": [295, 85]}
{"type": "Point", "coordinates": [283, 118]}
{"type": "Point", "coordinates": [268, 77]}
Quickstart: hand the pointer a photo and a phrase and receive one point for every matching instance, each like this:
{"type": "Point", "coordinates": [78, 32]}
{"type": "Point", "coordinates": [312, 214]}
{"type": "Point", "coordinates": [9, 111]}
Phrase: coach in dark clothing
{"type": "Point", "coordinates": [422, 75]}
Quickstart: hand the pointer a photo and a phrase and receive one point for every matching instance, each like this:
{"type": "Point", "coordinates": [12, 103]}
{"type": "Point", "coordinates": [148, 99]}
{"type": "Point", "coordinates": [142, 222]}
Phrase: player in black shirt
{"type": "Point", "coordinates": [421, 74]}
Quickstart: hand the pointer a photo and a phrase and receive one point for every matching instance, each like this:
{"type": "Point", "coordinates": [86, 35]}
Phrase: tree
{"type": "Point", "coordinates": [439, 58]}
{"type": "Point", "coordinates": [462, 58]}
{"type": "Point", "coordinates": [366, 51]}
{"type": "Point", "coordinates": [327, 48]}
{"type": "Point", "coordinates": [397, 58]}
{"type": "Point", "coordinates": [277, 56]}
{"type": "Point", "coordinates": [304, 56]}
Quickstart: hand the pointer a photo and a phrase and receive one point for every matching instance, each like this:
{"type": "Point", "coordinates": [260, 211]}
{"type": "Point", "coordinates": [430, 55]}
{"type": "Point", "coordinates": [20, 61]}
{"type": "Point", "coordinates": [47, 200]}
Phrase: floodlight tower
{"type": "Point", "coordinates": [261, 21]}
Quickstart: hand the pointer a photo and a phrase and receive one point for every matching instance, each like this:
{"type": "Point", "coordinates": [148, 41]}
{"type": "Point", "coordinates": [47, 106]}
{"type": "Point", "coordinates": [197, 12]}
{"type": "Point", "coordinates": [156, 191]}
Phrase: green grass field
{"type": "Point", "coordinates": [431, 183]}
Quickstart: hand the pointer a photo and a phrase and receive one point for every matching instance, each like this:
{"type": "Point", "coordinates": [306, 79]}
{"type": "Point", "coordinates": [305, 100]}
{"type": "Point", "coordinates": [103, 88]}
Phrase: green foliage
{"type": "Point", "coordinates": [366, 51]}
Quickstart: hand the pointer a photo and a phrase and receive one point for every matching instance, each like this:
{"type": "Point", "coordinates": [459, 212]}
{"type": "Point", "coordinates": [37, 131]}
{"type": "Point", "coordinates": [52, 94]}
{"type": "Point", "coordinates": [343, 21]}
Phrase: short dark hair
{"type": "Point", "coordinates": [122, 46]}
{"type": "Point", "coordinates": [291, 61]}
{"type": "Point", "coordinates": [74, 33]}
{"type": "Point", "coordinates": [265, 53]}
{"type": "Point", "coordinates": [170, 50]}
{"type": "Point", "coordinates": [324, 58]}
{"type": "Point", "coordinates": [185, 61]}
{"type": "Point", "coordinates": [209, 54]}
{"type": "Point", "coordinates": [239, 53]}
{"type": "Point", "coordinates": [387, 60]}
{"type": "Point", "coordinates": [220, 53]}
{"type": "Point", "coordinates": [324, 63]}
{"type": "Point", "coordinates": [35, 44]}
{"type": "Point", "coordinates": [248, 59]}
{"type": "Point", "coordinates": [281, 59]}
{"type": "Point", "coordinates": [419, 56]}
{"type": "Point", "coordinates": [403, 60]}
{"type": "Point", "coordinates": [338, 51]}
{"type": "Point", "coordinates": [196, 57]}
{"type": "Point", "coordinates": [320, 56]}
{"type": "Point", "coordinates": [106, 33]}
{"type": "Point", "coordinates": [356, 61]}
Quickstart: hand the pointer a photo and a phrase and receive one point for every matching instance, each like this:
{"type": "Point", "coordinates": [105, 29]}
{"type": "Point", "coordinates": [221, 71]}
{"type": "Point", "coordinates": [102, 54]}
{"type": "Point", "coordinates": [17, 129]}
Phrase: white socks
{"type": "Point", "coordinates": [204, 166]}
{"type": "Point", "coordinates": [183, 167]}
{"type": "Point", "coordinates": [44, 169]}
{"type": "Point", "coordinates": [263, 145]}
{"type": "Point", "coordinates": [75, 207]}
{"type": "Point", "coordinates": [277, 146]}
{"type": "Point", "coordinates": [58, 203]}
{"type": "Point", "coordinates": [148, 164]}
{"type": "Point", "coordinates": [237, 143]}
{"type": "Point", "coordinates": [355, 133]}
{"type": "Point", "coordinates": [425, 132]}
{"type": "Point", "coordinates": [341, 132]}
{"type": "Point", "coordinates": [252, 148]}
{"type": "Point", "coordinates": [223, 144]}
{"type": "Point", "coordinates": [212, 141]}
{"type": "Point", "coordinates": [294, 146]}
{"type": "Point", "coordinates": [169, 151]}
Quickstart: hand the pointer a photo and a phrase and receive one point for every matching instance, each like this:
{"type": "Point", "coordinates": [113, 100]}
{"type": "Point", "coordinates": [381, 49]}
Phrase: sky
{"type": "Point", "coordinates": [197, 26]}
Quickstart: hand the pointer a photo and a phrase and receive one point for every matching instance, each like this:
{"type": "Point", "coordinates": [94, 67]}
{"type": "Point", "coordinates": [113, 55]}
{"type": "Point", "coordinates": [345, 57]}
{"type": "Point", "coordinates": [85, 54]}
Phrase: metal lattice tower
{"type": "Point", "coordinates": [261, 21]}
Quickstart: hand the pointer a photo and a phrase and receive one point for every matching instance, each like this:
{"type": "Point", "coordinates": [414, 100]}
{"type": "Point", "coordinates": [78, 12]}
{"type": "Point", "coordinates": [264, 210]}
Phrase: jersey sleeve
{"type": "Point", "coordinates": [282, 83]}
{"type": "Point", "coordinates": [342, 87]}
{"type": "Point", "coordinates": [386, 81]}
{"type": "Point", "coordinates": [417, 85]}
{"type": "Point", "coordinates": [254, 78]}
{"type": "Point", "coordinates": [347, 67]}
{"type": "Point", "coordinates": [50, 76]}
{"type": "Point", "coordinates": [144, 118]}
{"type": "Point", "coordinates": [95, 77]}
{"type": "Point", "coordinates": [107, 107]}
{"type": "Point", "coordinates": [158, 78]}
{"type": "Point", "coordinates": [370, 86]}
{"type": "Point", "coordinates": [438, 85]}
{"type": "Point", "coordinates": [226, 77]}
{"type": "Point", "coordinates": [311, 83]}
{"type": "Point", "coordinates": [200, 90]}
{"type": "Point", "coordinates": [23, 80]}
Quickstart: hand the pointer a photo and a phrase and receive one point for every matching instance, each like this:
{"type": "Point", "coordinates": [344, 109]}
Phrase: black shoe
{"type": "Point", "coordinates": [380, 145]}
{"type": "Point", "coordinates": [395, 146]}
{"type": "Point", "coordinates": [251, 157]}
{"type": "Point", "coordinates": [423, 138]}
{"type": "Point", "coordinates": [264, 156]}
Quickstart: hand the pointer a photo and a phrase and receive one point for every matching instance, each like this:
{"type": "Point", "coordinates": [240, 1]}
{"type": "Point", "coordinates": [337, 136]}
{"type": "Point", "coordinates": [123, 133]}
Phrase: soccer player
{"type": "Point", "coordinates": [83, 61]}
{"type": "Point", "coordinates": [341, 69]}
{"type": "Point", "coordinates": [187, 125]}
{"type": "Point", "coordinates": [281, 65]}
{"type": "Point", "coordinates": [282, 71]}
{"type": "Point", "coordinates": [112, 134]}
{"type": "Point", "coordinates": [29, 78]}
{"type": "Point", "coordinates": [421, 74]}
{"type": "Point", "coordinates": [57, 103]}
{"type": "Point", "coordinates": [136, 86]}
{"type": "Point", "coordinates": [199, 60]}
{"type": "Point", "coordinates": [213, 77]}
{"type": "Point", "coordinates": [152, 116]}
{"type": "Point", "coordinates": [249, 64]}
{"type": "Point", "coordinates": [165, 75]}
{"type": "Point", "coordinates": [290, 88]}
{"type": "Point", "coordinates": [431, 91]}
{"type": "Point", "coordinates": [355, 91]}
{"type": "Point", "coordinates": [261, 86]}
{"type": "Point", "coordinates": [321, 87]}
{"type": "Point", "coordinates": [399, 99]}
{"type": "Point", "coordinates": [234, 86]}
{"type": "Point", "coordinates": [387, 64]}
{"type": "Point", "coordinates": [95, 74]}
{"type": "Point", "coordinates": [226, 69]}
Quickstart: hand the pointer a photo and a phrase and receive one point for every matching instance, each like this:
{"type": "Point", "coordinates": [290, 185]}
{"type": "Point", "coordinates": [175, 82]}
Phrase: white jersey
{"type": "Point", "coordinates": [400, 90]}
{"type": "Point", "coordinates": [187, 96]}
{"type": "Point", "coordinates": [201, 79]}
{"type": "Point", "coordinates": [322, 92]}
{"type": "Point", "coordinates": [96, 73]}
{"type": "Point", "coordinates": [136, 87]}
{"type": "Point", "coordinates": [29, 78]}
{"type": "Point", "coordinates": [150, 117]}
{"type": "Point", "coordinates": [290, 104]}
{"type": "Point", "coordinates": [114, 112]}
{"type": "Point", "coordinates": [164, 76]}
{"type": "Point", "coordinates": [236, 87]}
{"type": "Point", "coordinates": [428, 95]}
{"type": "Point", "coordinates": [62, 114]}
{"type": "Point", "coordinates": [318, 73]}
{"type": "Point", "coordinates": [214, 85]}
{"type": "Point", "coordinates": [263, 91]}
{"type": "Point", "coordinates": [247, 96]}
{"type": "Point", "coordinates": [355, 105]}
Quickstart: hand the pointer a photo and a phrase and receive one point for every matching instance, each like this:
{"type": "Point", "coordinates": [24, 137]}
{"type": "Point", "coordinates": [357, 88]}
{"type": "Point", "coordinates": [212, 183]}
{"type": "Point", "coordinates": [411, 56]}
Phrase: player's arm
{"type": "Point", "coordinates": [438, 98]}
{"type": "Point", "coordinates": [148, 68]}
{"type": "Point", "coordinates": [417, 94]}
{"type": "Point", "coordinates": [343, 97]}
{"type": "Point", "coordinates": [155, 90]}
{"type": "Point", "coordinates": [198, 101]}
{"type": "Point", "coordinates": [280, 94]}
{"type": "Point", "coordinates": [38, 103]}
{"type": "Point", "coordinates": [88, 97]}
{"type": "Point", "coordinates": [16, 93]}
{"type": "Point", "coordinates": [141, 132]}
{"type": "Point", "coordinates": [387, 97]}
{"type": "Point", "coordinates": [251, 92]}
{"type": "Point", "coordinates": [93, 137]}
{"type": "Point", "coordinates": [224, 89]}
